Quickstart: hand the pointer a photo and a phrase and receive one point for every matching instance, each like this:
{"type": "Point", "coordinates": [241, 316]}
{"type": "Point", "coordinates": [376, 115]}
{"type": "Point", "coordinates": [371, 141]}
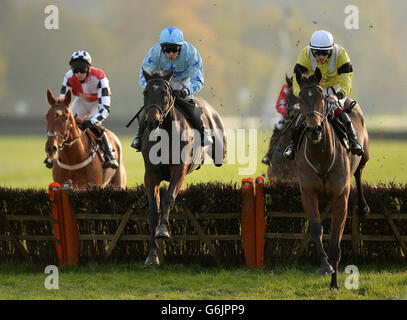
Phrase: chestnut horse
{"type": "Point", "coordinates": [178, 152]}
{"type": "Point", "coordinates": [280, 168]}
{"type": "Point", "coordinates": [325, 169]}
{"type": "Point", "coordinates": [72, 153]}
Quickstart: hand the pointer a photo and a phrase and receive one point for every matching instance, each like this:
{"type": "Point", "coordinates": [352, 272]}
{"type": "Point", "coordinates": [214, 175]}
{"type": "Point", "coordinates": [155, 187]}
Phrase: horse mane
{"type": "Point", "coordinates": [157, 74]}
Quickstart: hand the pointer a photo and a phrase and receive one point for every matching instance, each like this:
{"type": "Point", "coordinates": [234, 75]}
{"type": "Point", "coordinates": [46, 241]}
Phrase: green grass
{"type": "Point", "coordinates": [22, 167]}
{"type": "Point", "coordinates": [136, 281]}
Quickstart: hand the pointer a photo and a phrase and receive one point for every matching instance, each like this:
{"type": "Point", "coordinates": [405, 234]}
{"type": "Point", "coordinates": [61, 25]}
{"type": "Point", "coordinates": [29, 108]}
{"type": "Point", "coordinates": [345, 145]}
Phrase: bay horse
{"type": "Point", "coordinates": [183, 155]}
{"type": "Point", "coordinates": [280, 168]}
{"type": "Point", "coordinates": [72, 153]}
{"type": "Point", "coordinates": [325, 169]}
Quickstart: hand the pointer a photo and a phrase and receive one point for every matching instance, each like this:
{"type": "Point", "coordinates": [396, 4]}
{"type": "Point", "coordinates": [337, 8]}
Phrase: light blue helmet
{"type": "Point", "coordinates": [171, 35]}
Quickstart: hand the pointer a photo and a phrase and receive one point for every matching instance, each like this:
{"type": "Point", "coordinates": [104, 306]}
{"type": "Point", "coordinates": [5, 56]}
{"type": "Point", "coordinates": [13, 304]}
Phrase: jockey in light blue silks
{"type": "Point", "coordinates": [173, 53]}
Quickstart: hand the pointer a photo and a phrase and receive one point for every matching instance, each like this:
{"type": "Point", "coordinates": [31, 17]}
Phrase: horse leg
{"type": "Point", "coordinates": [339, 213]}
{"type": "Point", "coordinates": [363, 208]}
{"type": "Point", "coordinates": [153, 193]}
{"type": "Point", "coordinates": [310, 203]}
{"type": "Point", "coordinates": [168, 202]}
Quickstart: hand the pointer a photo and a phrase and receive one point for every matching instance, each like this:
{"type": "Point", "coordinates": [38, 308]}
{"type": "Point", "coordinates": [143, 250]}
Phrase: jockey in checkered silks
{"type": "Point", "coordinates": [337, 72]}
{"type": "Point", "coordinates": [91, 104]}
{"type": "Point", "coordinates": [173, 53]}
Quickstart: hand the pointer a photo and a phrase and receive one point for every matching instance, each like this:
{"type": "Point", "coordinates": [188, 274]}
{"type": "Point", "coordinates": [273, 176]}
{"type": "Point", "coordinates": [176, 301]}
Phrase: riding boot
{"type": "Point", "coordinates": [195, 114]}
{"type": "Point", "coordinates": [206, 138]}
{"type": "Point", "coordinates": [355, 146]}
{"type": "Point", "coordinates": [289, 152]}
{"type": "Point", "coordinates": [110, 161]}
{"type": "Point", "coordinates": [136, 143]}
{"type": "Point", "coordinates": [267, 158]}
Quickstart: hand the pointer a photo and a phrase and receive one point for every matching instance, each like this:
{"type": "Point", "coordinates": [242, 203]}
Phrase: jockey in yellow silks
{"type": "Point", "coordinates": [337, 72]}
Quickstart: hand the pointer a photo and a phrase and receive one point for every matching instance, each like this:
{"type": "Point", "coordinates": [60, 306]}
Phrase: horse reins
{"type": "Point", "coordinates": [324, 116]}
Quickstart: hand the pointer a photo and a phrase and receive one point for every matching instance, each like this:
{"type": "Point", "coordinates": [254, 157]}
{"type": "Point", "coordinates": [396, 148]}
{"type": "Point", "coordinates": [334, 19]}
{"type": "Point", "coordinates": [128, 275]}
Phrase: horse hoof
{"type": "Point", "coordinates": [152, 260]}
{"type": "Point", "coordinates": [363, 211]}
{"type": "Point", "coordinates": [325, 270]}
{"type": "Point", "coordinates": [334, 288]}
{"type": "Point", "coordinates": [162, 233]}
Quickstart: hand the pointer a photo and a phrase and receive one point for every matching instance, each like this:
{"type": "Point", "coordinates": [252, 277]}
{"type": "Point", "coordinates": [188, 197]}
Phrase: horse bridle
{"type": "Point", "coordinates": [64, 136]}
{"type": "Point", "coordinates": [160, 109]}
{"type": "Point", "coordinates": [327, 109]}
{"type": "Point", "coordinates": [324, 116]}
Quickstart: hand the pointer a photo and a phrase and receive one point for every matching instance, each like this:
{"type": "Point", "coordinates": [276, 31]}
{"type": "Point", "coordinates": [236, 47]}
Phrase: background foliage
{"type": "Point", "coordinates": [240, 42]}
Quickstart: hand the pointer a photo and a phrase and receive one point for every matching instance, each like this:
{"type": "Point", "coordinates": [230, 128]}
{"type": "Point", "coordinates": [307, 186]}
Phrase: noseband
{"type": "Point", "coordinates": [163, 113]}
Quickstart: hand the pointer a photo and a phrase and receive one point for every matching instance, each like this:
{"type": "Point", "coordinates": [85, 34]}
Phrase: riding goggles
{"type": "Point", "coordinates": [171, 48]}
{"type": "Point", "coordinates": [320, 52]}
{"type": "Point", "coordinates": [80, 70]}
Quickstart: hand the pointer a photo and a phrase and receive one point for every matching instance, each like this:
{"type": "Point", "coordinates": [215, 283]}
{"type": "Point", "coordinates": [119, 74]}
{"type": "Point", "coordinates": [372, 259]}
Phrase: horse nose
{"type": "Point", "coordinates": [315, 132]}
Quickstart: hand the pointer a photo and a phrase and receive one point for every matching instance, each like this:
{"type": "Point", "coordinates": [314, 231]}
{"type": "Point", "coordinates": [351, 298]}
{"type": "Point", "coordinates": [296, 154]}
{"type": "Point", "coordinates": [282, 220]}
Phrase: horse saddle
{"type": "Point", "coordinates": [95, 135]}
{"type": "Point", "coordinates": [340, 131]}
{"type": "Point", "coordinates": [191, 111]}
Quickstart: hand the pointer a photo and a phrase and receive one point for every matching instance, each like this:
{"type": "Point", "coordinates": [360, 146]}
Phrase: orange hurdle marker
{"type": "Point", "coordinates": [248, 222]}
{"type": "Point", "coordinates": [260, 221]}
{"type": "Point", "coordinates": [64, 226]}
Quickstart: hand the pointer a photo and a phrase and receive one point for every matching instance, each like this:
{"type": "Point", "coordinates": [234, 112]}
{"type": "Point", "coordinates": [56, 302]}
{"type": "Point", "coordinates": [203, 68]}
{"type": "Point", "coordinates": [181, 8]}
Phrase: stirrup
{"type": "Point", "coordinates": [48, 163]}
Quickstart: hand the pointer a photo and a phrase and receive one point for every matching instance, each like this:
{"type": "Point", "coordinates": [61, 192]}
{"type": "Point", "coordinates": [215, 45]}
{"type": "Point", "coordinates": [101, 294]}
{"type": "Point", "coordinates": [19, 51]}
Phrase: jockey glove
{"type": "Point", "coordinates": [86, 124]}
{"type": "Point", "coordinates": [179, 94]}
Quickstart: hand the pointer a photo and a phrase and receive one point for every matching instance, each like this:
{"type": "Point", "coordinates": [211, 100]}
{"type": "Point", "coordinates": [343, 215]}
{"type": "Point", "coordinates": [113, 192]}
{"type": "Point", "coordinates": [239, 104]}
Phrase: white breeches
{"type": "Point", "coordinates": [328, 91]}
{"type": "Point", "coordinates": [84, 109]}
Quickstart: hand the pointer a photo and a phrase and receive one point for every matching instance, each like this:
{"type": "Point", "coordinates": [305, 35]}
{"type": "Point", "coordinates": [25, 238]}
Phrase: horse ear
{"type": "Point", "coordinates": [50, 98]}
{"type": "Point", "coordinates": [168, 76]}
{"type": "Point", "coordinates": [289, 81]}
{"type": "Point", "coordinates": [298, 76]}
{"type": "Point", "coordinates": [318, 75]}
{"type": "Point", "coordinates": [68, 98]}
{"type": "Point", "coordinates": [146, 75]}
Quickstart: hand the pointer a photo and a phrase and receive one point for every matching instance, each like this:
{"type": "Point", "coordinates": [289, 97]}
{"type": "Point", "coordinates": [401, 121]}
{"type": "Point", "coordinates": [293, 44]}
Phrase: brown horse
{"type": "Point", "coordinates": [280, 168]}
{"type": "Point", "coordinates": [325, 169]}
{"type": "Point", "coordinates": [178, 153]}
{"type": "Point", "coordinates": [73, 154]}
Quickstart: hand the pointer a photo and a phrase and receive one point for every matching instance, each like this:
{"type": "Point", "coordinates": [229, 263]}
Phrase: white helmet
{"type": "Point", "coordinates": [321, 40]}
{"type": "Point", "coordinates": [79, 56]}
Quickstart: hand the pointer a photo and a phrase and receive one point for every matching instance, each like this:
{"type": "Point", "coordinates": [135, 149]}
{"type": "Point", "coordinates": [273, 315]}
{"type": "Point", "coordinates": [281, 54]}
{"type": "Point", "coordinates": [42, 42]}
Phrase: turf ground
{"type": "Point", "coordinates": [21, 163]}
{"type": "Point", "coordinates": [22, 167]}
{"type": "Point", "coordinates": [178, 282]}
